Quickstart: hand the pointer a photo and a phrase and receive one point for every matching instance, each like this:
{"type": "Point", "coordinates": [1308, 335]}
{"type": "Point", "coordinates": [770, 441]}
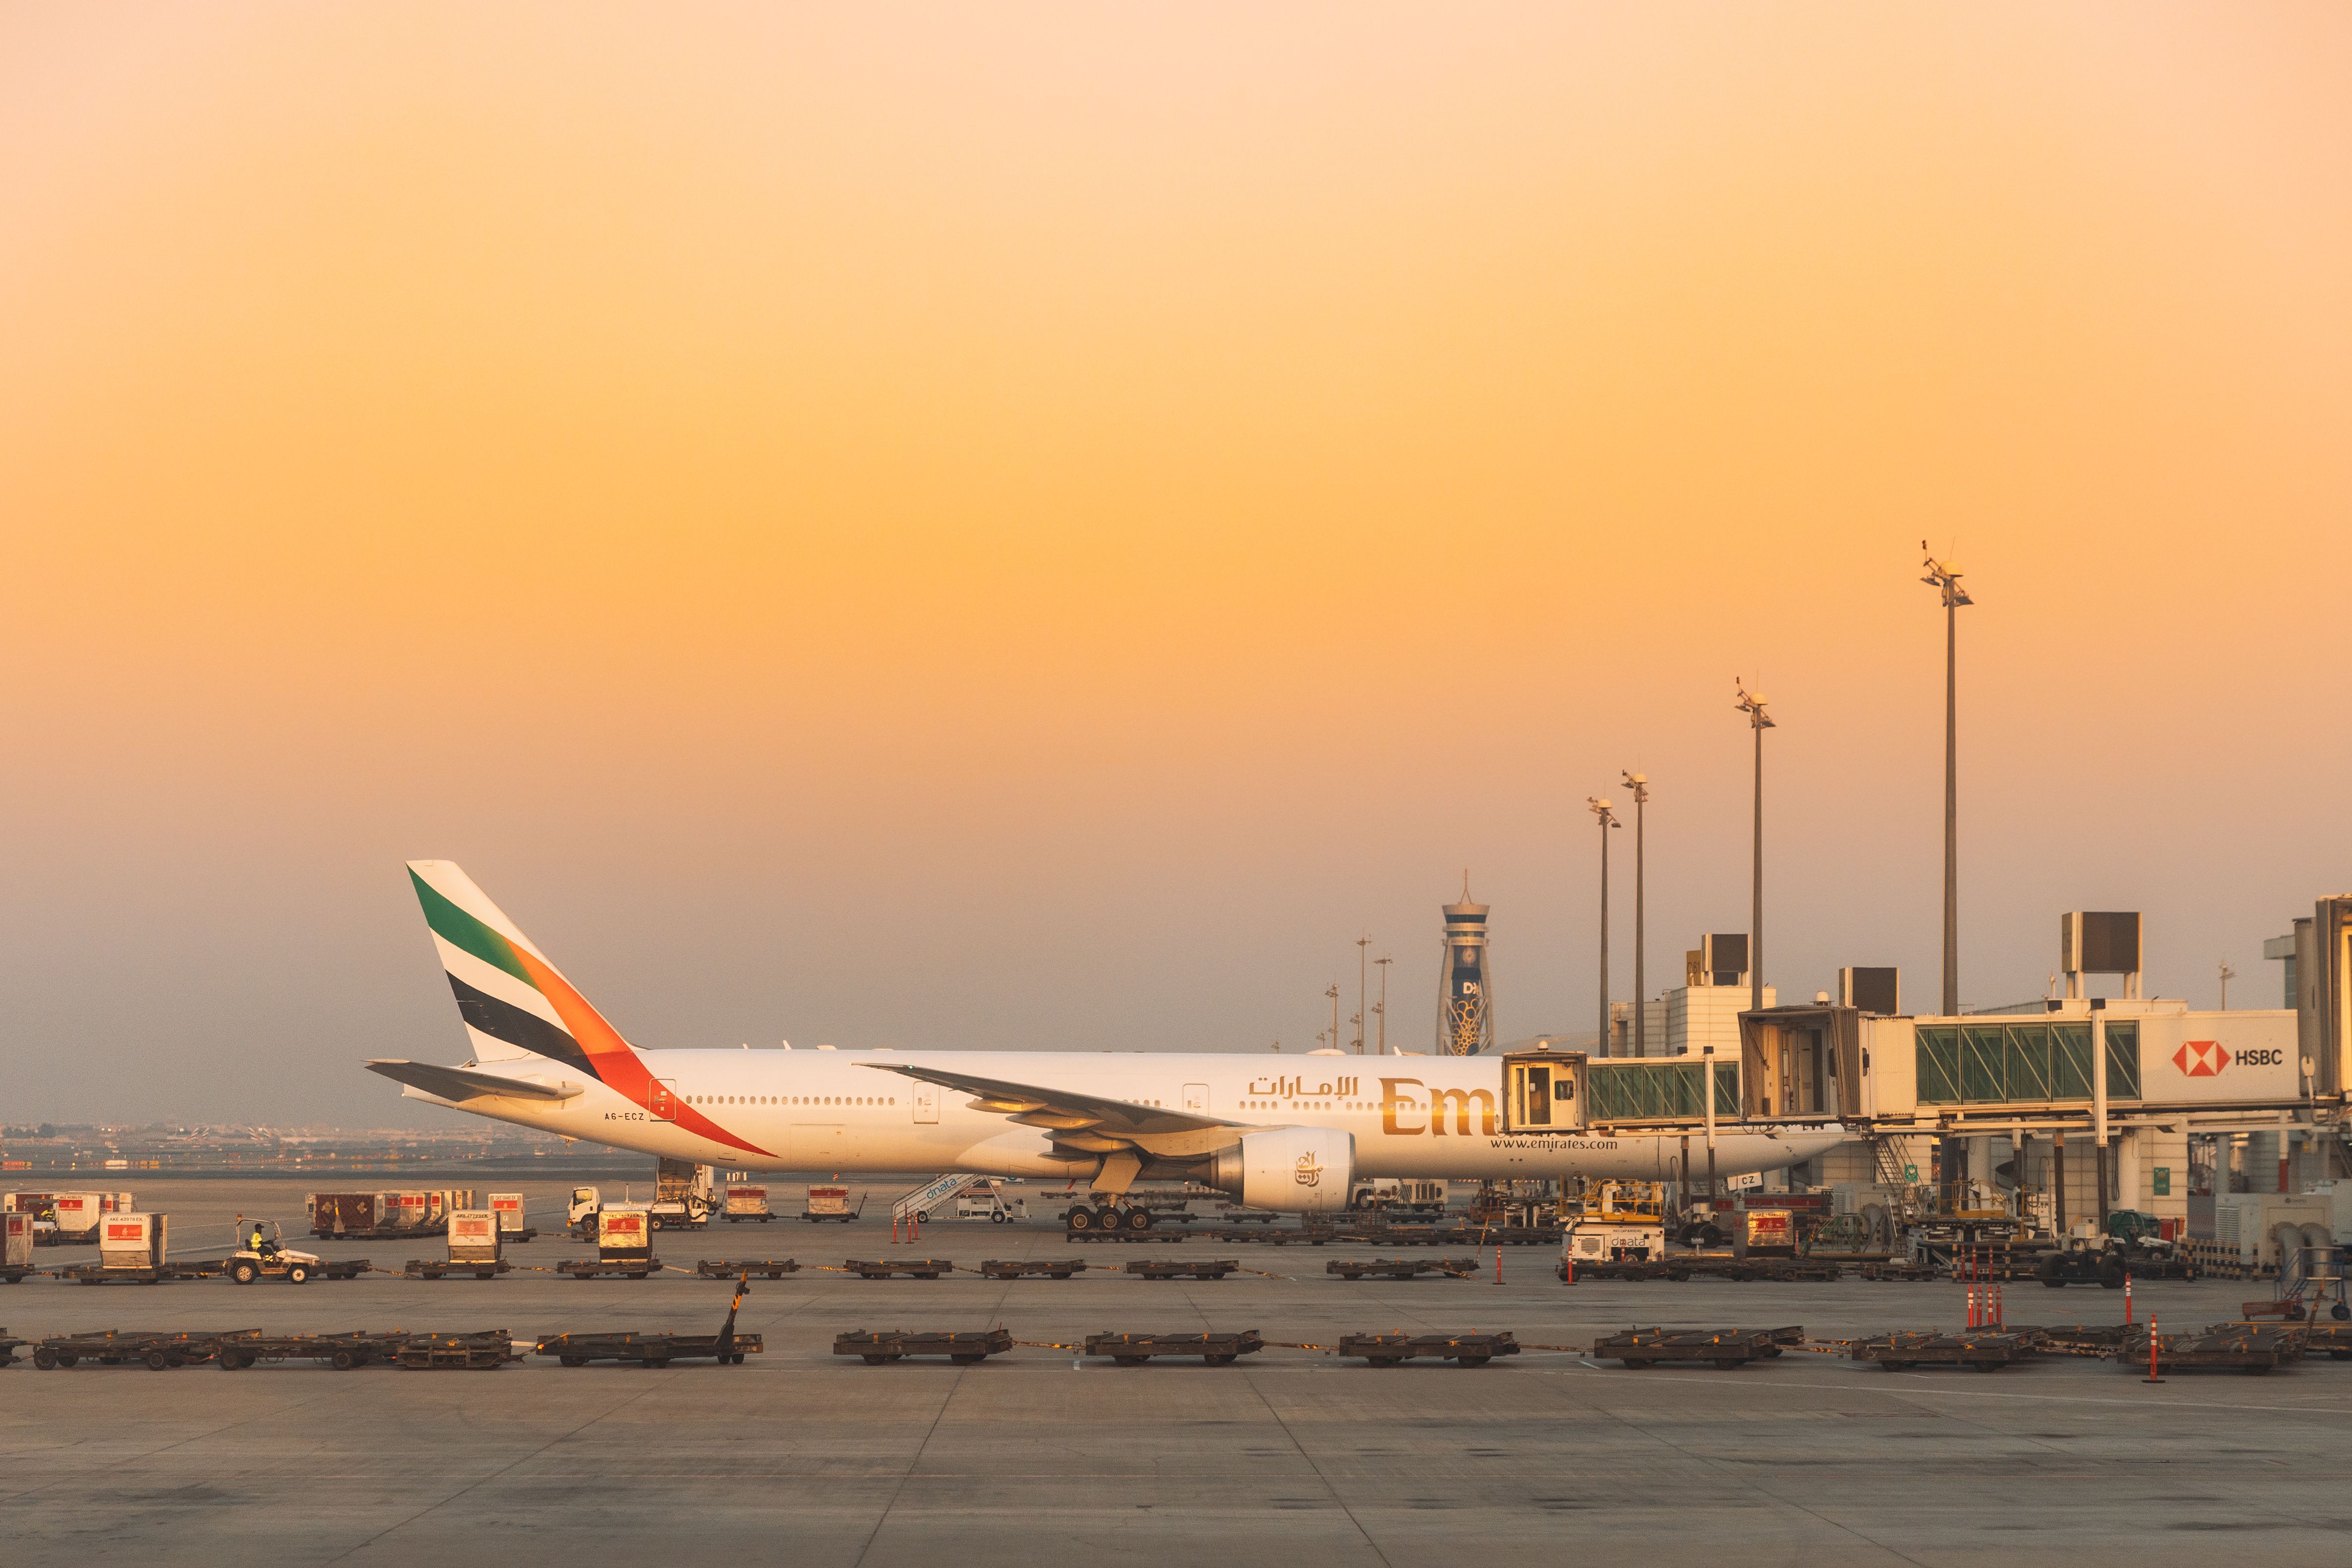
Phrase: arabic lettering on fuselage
{"type": "Point", "coordinates": [1281, 1088]}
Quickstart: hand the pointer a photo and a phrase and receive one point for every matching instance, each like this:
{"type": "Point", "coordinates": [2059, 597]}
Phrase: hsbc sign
{"type": "Point", "coordinates": [2217, 1057]}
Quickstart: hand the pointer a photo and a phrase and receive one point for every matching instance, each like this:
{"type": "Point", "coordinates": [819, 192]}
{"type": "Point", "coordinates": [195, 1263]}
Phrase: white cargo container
{"type": "Point", "coordinates": [474, 1235]}
{"type": "Point", "coordinates": [749, 1203]}
{"type": "Point", "coordinates": [77, 1214]}
{"type": "Point", "coordinates": [133, 1240]}
{"type": "Point", "coordinates": [624, 1233]}
{"type": "Point", "coordinates": [508, 1207]}
{"type": "Point", "coordinates": [15, 1243]}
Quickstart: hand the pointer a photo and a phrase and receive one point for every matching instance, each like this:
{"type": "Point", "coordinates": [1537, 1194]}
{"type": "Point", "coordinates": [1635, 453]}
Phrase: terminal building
{"type": "Point", "coordinates": [2228, 1126]}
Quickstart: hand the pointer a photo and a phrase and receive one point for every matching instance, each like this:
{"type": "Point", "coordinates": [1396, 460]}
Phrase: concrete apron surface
{"type": "Point", "coordinates": [1286, 1457]}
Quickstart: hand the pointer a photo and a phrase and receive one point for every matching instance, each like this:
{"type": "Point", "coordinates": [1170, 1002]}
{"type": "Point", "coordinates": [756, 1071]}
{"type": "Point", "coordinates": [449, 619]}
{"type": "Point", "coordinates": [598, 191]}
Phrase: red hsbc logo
{"type": "Point", "coordinates": [2201, 1058]}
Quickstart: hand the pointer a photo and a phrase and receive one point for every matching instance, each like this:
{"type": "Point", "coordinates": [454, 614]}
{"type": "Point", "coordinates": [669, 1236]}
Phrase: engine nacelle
{"type": "Point", "coordinates": [1299, 1170]}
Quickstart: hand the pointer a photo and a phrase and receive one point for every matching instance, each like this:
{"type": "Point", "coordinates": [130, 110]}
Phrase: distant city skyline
{"type": "Point", "coordinates": [1042, 529]}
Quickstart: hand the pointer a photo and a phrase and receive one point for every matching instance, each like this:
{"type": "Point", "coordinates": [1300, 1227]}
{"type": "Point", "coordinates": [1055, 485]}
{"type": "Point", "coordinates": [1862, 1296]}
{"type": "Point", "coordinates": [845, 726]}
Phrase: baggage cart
{"type": "Point", "coordinates": [1403, 1267]}
{"type": "Point", "coordinates": [897, 1344]}
{"type": "Point", "coordinates": [1034, 1269]}
{"type": "Point", "coordinates": [725, 1348]}
{"type": "Point", "coordinates": [158, 1350]}
{"type": "Point", "coordinates": [912, 1268]}
{"type": "Point", "coordinates": [1986, 1352]}
{"type": "Point", "coordinates": [2243, 1347]}
{"type": "Point", "coordinates": [1393, 1349]}
{"type": "Point", "coordinates": [735, 1268]}
{"type": "Point", "coordinates": [343, 1352]}
{"type": "Point", "coordinates": [1183, 1269]}
{"type": "Point", "coordinates": [1134, 1350]}
{"type": "Point", "coordinates": [1726, 1347]}
{"type": "Point", "coordinates": [8, 1344]}
{"type": "Point", "coordinates": [486, 1350]}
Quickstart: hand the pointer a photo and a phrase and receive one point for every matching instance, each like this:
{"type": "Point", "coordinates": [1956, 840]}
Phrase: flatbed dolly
{"type": "Point", "coordinates": [1182, 1268]}
{"type": "Point", "coordinates": [1986, 1351]}
{"type": "Point", "coordinates": [1727, 1348]}
{"type": "Point", "coordinates": [1394, 1350]}
{"type": "Point", "coordinates": [2247, 1347]}
{"type": "Point", "coordinates": [1403, 1267]}
{"type": "Point", "coordinates": [735, 1268]}
{"type": "Point", "coordinates": [913, 1267]}
{"type": "Point", "coordinates": [1134, 1350]}
{"type": "Point", "coordinates": [99, 1274]}
{"type": "Point", "coordinates": [344, 1352]}
{"type": "Point", "coordinates": [8, 1344]}
{"type": "Point", "coordinates": [443, 1268]}
{"type": "Point", "coordinates": [1034, 1269]}
{"type": "Point", "coordinates": [897, 1344]}
{"type": "Point", "coordinates": [12, 1273]}
{"type": "Point", "coordinates": [725, 1348]}
{"type": "Point", "coordinates": [598, 1268]}
{"type": "Point", "coordinates": [159, 1350]}
{"type": "Point", "coordinates": [485, 1350]}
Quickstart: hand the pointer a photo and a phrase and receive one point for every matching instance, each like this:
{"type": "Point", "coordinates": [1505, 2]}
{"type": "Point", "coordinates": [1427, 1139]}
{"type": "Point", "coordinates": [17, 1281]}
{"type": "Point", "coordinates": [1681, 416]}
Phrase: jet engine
{"type": "Point", "coordinates": [1301, 1169]}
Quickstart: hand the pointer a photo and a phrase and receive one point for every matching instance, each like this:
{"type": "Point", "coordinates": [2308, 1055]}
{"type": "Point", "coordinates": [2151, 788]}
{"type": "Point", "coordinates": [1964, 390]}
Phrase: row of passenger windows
{"type": "Point", "coordinates": [790, 1099]}
{"type": "Point", "coordinates": [1310, 1105]}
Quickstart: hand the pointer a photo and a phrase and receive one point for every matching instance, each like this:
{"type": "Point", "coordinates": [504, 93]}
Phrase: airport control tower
{"type": "Point", "coordinates": [1466, 1017]}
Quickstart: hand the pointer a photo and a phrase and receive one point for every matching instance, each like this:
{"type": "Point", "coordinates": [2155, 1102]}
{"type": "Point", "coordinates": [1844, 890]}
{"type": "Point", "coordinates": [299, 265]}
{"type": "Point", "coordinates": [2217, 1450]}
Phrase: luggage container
{"type": "Point", "coordinates": [346, 1213]}
{"type": "Point", "coordinates": [748, 1203]}
{"type": "Point", "coordinates": [408, 1212]}
{"type": "Point", "coordinates": [76, 1216]}
{"type": "Point", "coordinates": [829, 1204]}
{"type": "Point", "coordinates": [624, 1233]}
{"type": "Point", "coordinates": [16, 1246]}
{"type": "Point", "coordinates": [624, 1236]}
{"type": "Point", "coordinates": [508, 1207]}
{"type": "Point", "coordinates": [134, 1241]}
{"type": "Point", "coordinates": [475, 1248]}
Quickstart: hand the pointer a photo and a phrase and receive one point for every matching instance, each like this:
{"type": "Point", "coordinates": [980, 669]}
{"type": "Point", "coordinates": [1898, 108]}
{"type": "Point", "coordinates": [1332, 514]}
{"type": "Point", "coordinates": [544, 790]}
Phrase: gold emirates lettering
{"type": "Point", "coordinates": [1458, 1101]}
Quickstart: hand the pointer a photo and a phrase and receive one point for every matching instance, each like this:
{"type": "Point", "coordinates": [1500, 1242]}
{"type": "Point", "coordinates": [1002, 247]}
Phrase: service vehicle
{"type": "Point", "coordinates": [988, 1202]}
{"type": "Point", "coordinates": [1621, 1222]}
{"type": "Point", "coordinates": [258, 1252]}
{"type": "Point", "coordinates": [684, 1195]}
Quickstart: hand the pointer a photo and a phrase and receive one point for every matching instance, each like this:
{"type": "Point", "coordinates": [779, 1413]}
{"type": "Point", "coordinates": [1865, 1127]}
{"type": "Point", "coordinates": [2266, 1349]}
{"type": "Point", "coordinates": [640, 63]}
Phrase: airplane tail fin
{"type": "Point", "coordinates": [516, 1004]}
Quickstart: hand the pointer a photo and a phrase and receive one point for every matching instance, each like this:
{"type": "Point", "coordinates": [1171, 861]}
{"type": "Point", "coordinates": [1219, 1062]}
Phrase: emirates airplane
{"type": "Point", "coordinates": [1291, 1133]}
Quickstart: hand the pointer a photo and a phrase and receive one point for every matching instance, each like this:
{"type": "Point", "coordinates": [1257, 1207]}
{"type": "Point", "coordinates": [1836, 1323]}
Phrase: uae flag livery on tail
{"type": "Point", "coordinates": [516, 1003]}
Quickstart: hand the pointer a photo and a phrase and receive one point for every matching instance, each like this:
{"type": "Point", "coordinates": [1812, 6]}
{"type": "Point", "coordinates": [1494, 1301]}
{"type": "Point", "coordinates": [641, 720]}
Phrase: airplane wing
{"type": "Point", "coordinates": [465, 1083]}
{"type": "Point", "coordinates": [1086, 1122]}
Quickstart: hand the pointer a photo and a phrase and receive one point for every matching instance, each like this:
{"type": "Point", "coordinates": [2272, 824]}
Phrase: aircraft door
{"type": "Point", "coordinates": [661, 1099]}
{"type": "Point", "coordinates": [927, 1102]}
{"type": "Point", "coordinates": [1196, 1098]}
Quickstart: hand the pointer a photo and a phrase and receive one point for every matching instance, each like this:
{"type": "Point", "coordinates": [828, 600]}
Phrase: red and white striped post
{"type": "Point", "coordinates": [2127, 1317]}
{"type": "Point", "coordinates": [2151, 1376]}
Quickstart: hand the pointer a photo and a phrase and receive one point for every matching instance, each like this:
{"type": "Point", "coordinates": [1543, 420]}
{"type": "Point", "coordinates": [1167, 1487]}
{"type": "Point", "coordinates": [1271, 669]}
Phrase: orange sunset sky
{"type": "Point", "coordinates": [1038, 525]}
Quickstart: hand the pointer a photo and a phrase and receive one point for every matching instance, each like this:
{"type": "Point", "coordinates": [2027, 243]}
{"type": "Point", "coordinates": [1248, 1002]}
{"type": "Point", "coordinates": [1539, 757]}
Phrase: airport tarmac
{"type": "Point", "coordinates": [1285, 1458]}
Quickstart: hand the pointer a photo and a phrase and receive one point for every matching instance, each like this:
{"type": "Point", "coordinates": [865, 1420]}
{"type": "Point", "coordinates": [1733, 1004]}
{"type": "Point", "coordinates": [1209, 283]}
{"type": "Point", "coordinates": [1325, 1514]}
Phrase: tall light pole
{"type": "Point", "coordinates": [1945, 577]}
{"type": "Point", "coordinates": [1640, 784]}
{"type": "Point", "coordinates": [1752, 704]}
{"type": "Point", "coordinates": [1607, 819]}
{"type": "Point", "coordinates": [1381, 1010]}
{"type": "Point", "coordinates": [1334, 995]}
{"type": "Point", "coordinates": [1362, 976]}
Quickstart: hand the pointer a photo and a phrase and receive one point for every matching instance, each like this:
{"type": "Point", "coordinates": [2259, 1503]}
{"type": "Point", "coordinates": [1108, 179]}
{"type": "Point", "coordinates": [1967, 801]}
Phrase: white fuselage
{"type": "Point", "coordinates": [833, 1110]}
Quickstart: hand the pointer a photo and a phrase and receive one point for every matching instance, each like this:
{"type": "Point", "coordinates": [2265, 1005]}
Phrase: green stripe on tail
{"type": "Point", "coordinates": [461, 930]}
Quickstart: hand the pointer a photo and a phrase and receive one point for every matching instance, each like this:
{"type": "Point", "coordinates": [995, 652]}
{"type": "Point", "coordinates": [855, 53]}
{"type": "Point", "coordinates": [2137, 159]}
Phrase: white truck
{"type": "Point", "coordinates": [987, 1200]}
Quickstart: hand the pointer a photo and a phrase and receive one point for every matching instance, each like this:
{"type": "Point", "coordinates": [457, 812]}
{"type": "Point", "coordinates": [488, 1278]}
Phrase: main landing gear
{"type": "Point", "coordinates": [1109, 1216]}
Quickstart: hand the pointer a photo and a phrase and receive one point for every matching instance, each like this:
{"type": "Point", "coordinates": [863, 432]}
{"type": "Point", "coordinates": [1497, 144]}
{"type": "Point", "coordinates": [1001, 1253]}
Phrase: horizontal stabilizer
{"type": "Point", "coordinates": [465, 1083]}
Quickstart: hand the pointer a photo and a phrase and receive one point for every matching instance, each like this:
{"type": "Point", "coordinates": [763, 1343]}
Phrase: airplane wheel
{"type": "Point", "coordinates": [1079, 1219]}
{"type": "Point", "coordinates": [1138, 1219]}
{"type": "Point", "coordinates": [1106, 1218]}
